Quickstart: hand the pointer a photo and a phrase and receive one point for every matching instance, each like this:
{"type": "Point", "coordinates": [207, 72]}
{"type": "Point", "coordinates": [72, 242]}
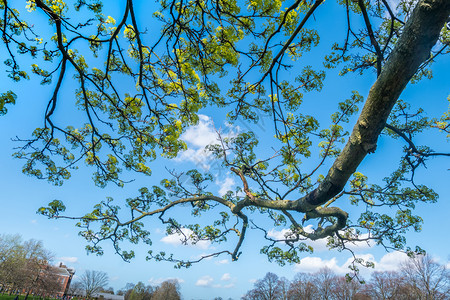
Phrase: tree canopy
{"type": "Point", "coordinates": [143, 80]}
{"type": "Point", "coordinates": [24, 266]}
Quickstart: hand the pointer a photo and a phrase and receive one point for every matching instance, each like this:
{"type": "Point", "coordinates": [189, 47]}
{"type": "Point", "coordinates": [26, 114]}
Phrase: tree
{"type": "Point", "coordinates": [268, 288]}
{"type": "Point", "coordinates": [75, 288]}
{"type": "Point", "coordinates": [283, 283]}
{"type": "Point", "coordinates": [139, 292]}
{"type": "Point", "coordinates": [169, 289]}
{"type": "Point", "coordinates": [302, 287]}
{"type": "Point", "coordinates": [386, 285]}
{"type": "Point", "coordinates": [346, 289]}
{"type": "Point", "coordinates": [24, 266]}
{"type": "Point", "coordinates": [427, 278]}
{"type": "Point", "coordinates": [93, 282]}
{"type": "Point", "coordinates": [184, 71]}
{"type": "Point", "coordinates": [325, 281]}
{"type": "Point", "coordinates": [11, 260]}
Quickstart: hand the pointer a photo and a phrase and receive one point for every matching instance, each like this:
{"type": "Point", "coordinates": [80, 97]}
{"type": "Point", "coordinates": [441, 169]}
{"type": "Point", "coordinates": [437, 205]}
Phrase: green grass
{"type": "Point", "coordinates": [8, 297]}
{"type": "Point", "coordinates": [21, 297]}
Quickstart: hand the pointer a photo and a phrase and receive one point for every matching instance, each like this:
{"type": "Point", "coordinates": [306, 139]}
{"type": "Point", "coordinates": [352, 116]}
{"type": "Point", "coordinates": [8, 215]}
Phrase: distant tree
{"type": "Point", "coordinates": [167, 290]}
{"type": "Point", "coordinates": [24, 266]}
{"type": "Point", "coordinates": [346, 289]}
{"type": "Point", "coordinates": [302, 287]}
{"type": "Point", "coordinates": [386, 285]}
{"type": "Point", "coordinates": [108, 290]}
{"type": "Point", "coordinates": [47, 283]}
{"type": "Point", "coordinates": [11, 260]}
{"type": "Point", "coordinates": [93, 282]}
{"type": "Point", "coordinates": [268, 288]}
{"type": "Point", "coordinates": [75, 288]}
{"type": "Point", "coordinates": [283, 284]}
{"type": "Point", "coordinates": [37, 272]}
{"type": "Point", "coordinates": [140, 292]}
{"type": "Point", "coordinates": [427, 278]}
{"type": "Point", "coordinates": [324, 281]}
{"type": "Point", "coordinates": [125, 291]}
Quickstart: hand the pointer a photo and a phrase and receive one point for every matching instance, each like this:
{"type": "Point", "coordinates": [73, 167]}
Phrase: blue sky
{"type": "Point", "coordinates": [21, 196]}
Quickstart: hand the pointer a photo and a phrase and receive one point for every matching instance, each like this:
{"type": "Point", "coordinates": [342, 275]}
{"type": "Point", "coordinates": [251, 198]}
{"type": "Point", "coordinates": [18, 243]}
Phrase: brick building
{"type": "Point", "coordinates": [64, 278]}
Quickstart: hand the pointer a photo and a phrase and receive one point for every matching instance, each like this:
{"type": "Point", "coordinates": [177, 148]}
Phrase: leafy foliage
{"type": "Point", "coordinates": [138, 90]}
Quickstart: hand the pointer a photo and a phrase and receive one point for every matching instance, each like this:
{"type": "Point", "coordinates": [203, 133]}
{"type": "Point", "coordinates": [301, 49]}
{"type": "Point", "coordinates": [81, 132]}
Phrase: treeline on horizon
{"type": "Point", "coordinates": [25, 269]}
{"type": "Point", "coordinates": [420, 277]}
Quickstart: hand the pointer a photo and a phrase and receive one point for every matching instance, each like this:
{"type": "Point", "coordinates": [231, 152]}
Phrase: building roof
{"type": "Point", "coordinates": [107, 296]}
{"type": "Point", "coordinates": [104, 296]}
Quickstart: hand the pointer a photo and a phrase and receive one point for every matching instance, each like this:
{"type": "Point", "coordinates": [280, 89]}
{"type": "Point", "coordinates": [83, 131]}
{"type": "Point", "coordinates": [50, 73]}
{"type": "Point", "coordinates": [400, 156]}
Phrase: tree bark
{"type": "Point", "coordinates": [420, 34]}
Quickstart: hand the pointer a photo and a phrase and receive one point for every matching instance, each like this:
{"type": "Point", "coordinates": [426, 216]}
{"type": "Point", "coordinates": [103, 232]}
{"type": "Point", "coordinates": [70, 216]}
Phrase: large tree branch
{"type": "Point", "coordinates": [413, 48]}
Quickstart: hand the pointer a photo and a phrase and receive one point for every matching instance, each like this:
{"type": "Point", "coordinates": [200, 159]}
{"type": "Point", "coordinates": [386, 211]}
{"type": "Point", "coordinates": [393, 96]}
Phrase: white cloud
{"type": "Point", "coordinates": [321, 244]}
{"type": "Point", "coordinates": [278, 234]}
{"type": "Point", "coordinates": [222, 262]}
{"type": "Point", "coordinates": [312, 264]}
{"type": "Point", "coordinates": [389, 262]}
{"type": "Point", "coordinates": [202, 134]}
{"type": "Point", "coordinates": [205, 281]}
{"type": "Point", "coordinates": [67, 259]}
{"type": "Point", "coordinates": [318, 245]}
{"type": "Point", "coordinates": [158, 281]}
{"type": "Point", "coordinates": [225, 185]}
{"type": "Point", "coordinates": [198, 137]}
{"type": "Point", "coordinates": [226, 277]}
{"type": "Point", "coordinates": [177, 239]}
{"type": "Point", "coordinates": [33, 221]}
{"type": "Point", "coordinates": [208, 281]}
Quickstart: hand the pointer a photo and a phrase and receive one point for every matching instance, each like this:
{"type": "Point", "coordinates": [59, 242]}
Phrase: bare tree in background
{"type": "Point", "coordinates": [324, 281]}
{"type": "Point", "coordinates": [386, 285]}
{"type": "Point", "coordinates": [302, 287]}
{"type": "Point", "coordinates": [93, 282]}
{"type": "Point", "coordinates": [75, 288]}
{"type": "Point", "coordinates": [345, 289]}
{"type": "Point", "coordinates": [268, 288]}
{"type": "Point", "coordinates": [427, 278]}
{"type": "Point", "coordinates": [283, 285]}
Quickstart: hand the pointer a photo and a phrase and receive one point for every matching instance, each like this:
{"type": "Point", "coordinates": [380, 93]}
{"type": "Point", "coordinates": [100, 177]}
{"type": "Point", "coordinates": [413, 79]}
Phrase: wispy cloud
{"type": "Point", "coordinates": [225, 185]}
{"type": "Point", "coordinates": [158, 281]}
{"type": "Point", "coordinates": [186, 238]}
{"type": "Point", "coordinates": [205, 281]}
{"type": "Point", "coordinates": [389, 262]}
{"type": "Point", "coordinates": [208, 281]}
{"type": "Point", "coordinates": [222, 262]}
{"type": "Point", "coordinates": [68, 259]}
{"type": "Point", "coordinates": [226, 277]}
{"type": "Point", "coordinates": [318, 245]}
{"type": "Point", "coordinates": [198, 137]}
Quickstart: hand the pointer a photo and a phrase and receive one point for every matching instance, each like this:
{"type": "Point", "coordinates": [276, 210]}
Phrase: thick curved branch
{"type": "Point", "coordinates": [413, 48]}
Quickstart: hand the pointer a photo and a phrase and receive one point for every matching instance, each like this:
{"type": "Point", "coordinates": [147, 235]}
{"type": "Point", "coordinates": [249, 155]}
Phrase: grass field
{"type": "Point", "coordinates": [21, 297]}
